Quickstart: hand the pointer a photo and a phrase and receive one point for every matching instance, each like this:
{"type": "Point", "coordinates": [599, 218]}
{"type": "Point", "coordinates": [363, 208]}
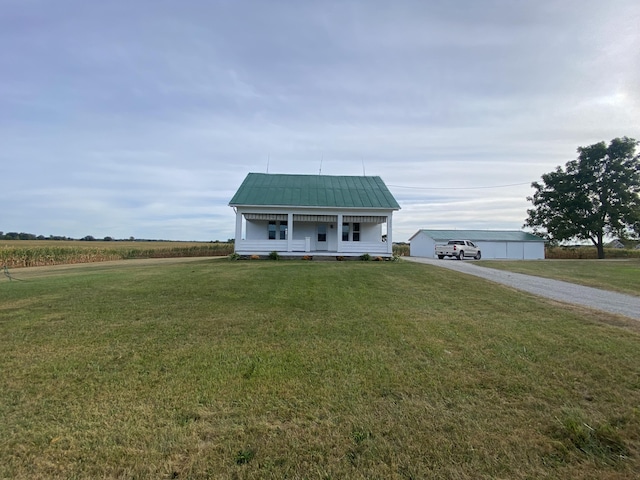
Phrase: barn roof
{"type": "Point", "coordinates": [480, 235]}
{"type": "Point", "coordinates": [263, 189]}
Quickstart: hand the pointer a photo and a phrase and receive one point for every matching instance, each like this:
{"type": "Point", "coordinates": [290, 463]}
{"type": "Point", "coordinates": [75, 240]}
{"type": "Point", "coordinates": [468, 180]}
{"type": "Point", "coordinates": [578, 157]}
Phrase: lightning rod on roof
{"type": "Point", "coordinates": [320, 171]}
{"type": "Point", "coordinates": [364, 174]}
{"type": "Point", "coordinates": [268, 158]}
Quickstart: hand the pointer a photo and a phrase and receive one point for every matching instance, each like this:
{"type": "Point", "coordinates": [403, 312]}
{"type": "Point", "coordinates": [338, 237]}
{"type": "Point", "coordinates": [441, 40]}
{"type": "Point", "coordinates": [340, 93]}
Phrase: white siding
{"type": "Point", "coordinates": [303, 229]}
{"type": "Point", "coordinates": [493, 249]}
{"type": "Point", "coordinates": [370, 232]}
{"type": "Point", "coordinates": [257, 230]}
{"type": "Point", "coordinates": [422, 246]}
{"type": "Point", "coordinates": [534, 251]}
{"type": "Point", "coordinates": [257, 241]}
{"type": "Point", "coordinates": [515, 250]}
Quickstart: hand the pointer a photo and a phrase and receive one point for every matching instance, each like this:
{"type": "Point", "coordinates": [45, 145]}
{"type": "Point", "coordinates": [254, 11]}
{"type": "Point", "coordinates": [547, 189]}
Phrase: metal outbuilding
{"type": "Point", "coordinates": [494, 244]}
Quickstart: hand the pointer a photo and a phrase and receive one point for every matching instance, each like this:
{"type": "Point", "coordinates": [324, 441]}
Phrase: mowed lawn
{"type": "Point", "coordinates": [617, 275]}
{"type": "Point", "coordinates": [291, 369]}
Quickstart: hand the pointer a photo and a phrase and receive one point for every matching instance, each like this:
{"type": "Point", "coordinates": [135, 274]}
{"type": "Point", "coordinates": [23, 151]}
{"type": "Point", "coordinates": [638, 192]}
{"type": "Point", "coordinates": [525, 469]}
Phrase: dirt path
{"type": "Point", "coordinates": [566, 292]}
{"type": "Point", "coordinates": [26, 273]}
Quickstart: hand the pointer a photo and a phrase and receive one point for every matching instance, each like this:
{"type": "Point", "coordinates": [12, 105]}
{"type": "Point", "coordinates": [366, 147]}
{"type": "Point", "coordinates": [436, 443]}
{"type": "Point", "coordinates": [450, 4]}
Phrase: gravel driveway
{"type": "Point", "coordinates": [612, 302]}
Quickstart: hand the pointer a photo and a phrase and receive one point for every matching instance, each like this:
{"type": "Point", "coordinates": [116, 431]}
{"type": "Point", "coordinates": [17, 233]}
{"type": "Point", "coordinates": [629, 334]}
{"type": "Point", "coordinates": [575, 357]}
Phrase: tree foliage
{"type": "Point", "coordinates": [596, 195]}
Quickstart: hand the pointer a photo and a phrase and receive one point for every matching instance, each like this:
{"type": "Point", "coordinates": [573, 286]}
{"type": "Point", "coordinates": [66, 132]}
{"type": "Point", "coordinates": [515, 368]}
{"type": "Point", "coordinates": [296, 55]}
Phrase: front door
{"type": "Point", "coordinates": [321, 237]}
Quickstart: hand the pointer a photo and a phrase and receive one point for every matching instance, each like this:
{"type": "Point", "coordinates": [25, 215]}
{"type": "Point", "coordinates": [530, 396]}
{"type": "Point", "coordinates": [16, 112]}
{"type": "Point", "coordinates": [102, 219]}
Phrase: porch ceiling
{"type": "Point", "coordinates": [317, 218]}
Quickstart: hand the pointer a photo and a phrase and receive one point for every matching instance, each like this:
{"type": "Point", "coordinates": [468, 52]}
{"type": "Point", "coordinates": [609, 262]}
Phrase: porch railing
{"type": "Point", "coordinates": [364, 247]}
{"type": "Point", "coordinates": [300, 246]}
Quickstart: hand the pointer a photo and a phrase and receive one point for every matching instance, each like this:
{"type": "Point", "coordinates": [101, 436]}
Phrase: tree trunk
{"type": "Point", "coordinates": [600, 246]}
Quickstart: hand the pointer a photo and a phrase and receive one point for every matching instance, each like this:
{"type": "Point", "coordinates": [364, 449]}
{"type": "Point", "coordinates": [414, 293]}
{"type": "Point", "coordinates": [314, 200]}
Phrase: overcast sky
{"type": "Point", "coordinates": [142, 117]}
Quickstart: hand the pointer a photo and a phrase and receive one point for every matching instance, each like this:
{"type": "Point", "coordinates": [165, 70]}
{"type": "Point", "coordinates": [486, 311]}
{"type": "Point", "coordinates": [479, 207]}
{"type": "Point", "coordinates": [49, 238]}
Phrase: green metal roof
{"type": "Point", "coordinates": [481, 235]}
{"type": "Point", "coordinates": [264, 189]}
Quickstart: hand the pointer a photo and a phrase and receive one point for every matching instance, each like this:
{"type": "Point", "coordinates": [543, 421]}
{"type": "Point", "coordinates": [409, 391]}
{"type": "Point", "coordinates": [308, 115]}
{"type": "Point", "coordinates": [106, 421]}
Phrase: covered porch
{"type": "Point", "coordinates": [313, 233]}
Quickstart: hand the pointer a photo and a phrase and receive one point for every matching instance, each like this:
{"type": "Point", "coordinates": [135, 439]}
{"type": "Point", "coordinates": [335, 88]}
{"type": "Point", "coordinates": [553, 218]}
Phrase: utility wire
{"type": "Point", "coordinates": [460, 188]}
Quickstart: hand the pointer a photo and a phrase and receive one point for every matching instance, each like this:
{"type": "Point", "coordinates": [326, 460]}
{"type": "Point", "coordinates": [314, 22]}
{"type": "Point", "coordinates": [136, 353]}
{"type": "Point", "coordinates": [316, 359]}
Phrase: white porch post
{"type": "Point", "coordinates": [238, 238]}
{"type": "Point", "coordinates": [339, 232]}
{"type": "Point", "coordinates": [389, 237]}
{"type": "Point", "coordinates": [290, 232]}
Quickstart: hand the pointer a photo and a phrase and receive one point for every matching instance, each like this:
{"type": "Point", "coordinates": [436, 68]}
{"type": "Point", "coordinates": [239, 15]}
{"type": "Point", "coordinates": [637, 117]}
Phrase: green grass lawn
{"type": "Point", "coordinates": [617, 275]}
{"type": "Point", "coordinates": [259, 369]}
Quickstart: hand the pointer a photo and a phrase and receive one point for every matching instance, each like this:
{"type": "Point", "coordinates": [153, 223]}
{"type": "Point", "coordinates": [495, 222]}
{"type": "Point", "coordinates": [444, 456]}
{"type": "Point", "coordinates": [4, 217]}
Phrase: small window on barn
{"type": "Point", "coordinates": [272, 230]}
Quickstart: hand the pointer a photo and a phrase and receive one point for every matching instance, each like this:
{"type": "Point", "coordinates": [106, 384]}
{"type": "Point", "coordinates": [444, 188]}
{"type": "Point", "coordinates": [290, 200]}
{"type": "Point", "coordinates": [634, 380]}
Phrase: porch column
{"type": "Point", "coordinates": [339, 232]}
{"type": "Point", "coordinates": [389, 237]}
{"type": "Point", "coordinates": [289, 232]}
{"type": "Point", "coordinates": [238, 238]}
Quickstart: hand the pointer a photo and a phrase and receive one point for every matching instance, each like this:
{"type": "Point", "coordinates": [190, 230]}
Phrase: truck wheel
{"type": "Point", "coordinates": [440, 257]}
{"type": "Point", "coordinates": [461, 255]}
{"type": "Point", "coordinates": [478, 255]}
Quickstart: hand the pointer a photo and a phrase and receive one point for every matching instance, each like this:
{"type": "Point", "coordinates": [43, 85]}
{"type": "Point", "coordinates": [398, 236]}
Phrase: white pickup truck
{"type": "Point", "coordinates": [458, 249]}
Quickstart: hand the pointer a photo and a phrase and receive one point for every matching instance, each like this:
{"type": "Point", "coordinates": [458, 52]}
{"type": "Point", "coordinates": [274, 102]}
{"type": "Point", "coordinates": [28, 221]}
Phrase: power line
{"type": "Point", "coordinates": [461, 188]}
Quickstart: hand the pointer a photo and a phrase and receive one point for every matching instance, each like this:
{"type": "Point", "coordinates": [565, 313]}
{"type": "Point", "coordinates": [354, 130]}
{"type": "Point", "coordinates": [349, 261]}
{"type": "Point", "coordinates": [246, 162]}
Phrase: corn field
{"type": "Point", "coordinates": [401, 249]}
{"type": "Point", "coordinates": [17, 254]}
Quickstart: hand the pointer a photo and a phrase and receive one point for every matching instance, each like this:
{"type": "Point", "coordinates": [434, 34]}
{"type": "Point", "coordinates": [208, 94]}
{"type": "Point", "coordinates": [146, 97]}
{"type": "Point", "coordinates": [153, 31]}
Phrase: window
{"type": "Point", "coordinates": [277, 230]}
{"type": "Point", "coordinates": [350, 231]}
{"type": "Point", "coordinates": [345, 232]}
{"type": "Point", "coordinates": [322, 233]}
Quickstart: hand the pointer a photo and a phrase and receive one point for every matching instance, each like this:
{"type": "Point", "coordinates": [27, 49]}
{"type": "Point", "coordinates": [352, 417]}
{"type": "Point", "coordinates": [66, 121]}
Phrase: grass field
{"type": "Point", "coordinates": [617, 275]}
{"type": "Point", "coordinates": [258, 369]}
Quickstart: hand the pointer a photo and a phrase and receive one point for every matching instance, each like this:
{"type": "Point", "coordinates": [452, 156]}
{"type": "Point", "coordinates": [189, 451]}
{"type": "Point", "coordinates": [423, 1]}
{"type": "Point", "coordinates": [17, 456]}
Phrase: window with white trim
{"type": "Point", "coordinates": [351, 232]}
{"type": "Point", "coordinates": [277, 229]}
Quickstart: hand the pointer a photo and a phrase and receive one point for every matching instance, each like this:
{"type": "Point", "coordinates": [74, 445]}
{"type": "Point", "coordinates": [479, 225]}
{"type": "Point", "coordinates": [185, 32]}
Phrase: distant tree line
{"type": "Point", "coordinates": [31, 236]}
{"type": "Point", "coordinates": [87, 238]}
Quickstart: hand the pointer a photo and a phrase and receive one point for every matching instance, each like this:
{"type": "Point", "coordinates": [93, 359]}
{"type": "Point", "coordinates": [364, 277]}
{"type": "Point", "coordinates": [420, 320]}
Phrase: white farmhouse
{"type": "Point", "coordinates": [494, 244]}
{"type": "Point", "coordinates": [319, 215]}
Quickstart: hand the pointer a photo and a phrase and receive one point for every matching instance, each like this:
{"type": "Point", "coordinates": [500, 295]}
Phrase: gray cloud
{"type": "Point", "coordinates": [142, 118]}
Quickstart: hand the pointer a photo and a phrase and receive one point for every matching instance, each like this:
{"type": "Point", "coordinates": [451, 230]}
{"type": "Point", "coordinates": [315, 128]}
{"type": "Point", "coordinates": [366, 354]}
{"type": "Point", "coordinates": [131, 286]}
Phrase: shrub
{"type": "Point", "coordinates": [274, 255]}
{"type": "Point", "coordinates": [365, 257]}
{"type": "Point", "coordinates": [340, 258]}
{"type": "Point", "coordinates": [234, 256]}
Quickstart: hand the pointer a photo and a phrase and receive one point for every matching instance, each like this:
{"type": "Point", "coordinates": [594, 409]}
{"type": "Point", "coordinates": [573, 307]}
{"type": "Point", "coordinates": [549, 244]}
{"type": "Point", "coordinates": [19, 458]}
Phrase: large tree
{"type": "Point", "coordinates": [596, 195]}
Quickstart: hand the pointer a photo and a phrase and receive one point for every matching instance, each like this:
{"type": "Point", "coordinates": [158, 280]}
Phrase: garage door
{"type": "Point", "coordinates": [515, 251]}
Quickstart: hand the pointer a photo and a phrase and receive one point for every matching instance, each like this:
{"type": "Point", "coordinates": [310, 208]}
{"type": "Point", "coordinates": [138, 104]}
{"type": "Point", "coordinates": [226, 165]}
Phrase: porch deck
{"type": "Point", "coordinates": [298, 248]}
